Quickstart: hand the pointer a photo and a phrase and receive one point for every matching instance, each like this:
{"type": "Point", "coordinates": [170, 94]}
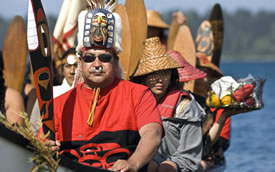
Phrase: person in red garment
{"type": "Point", "coordinates": [217, 127]}
{"type": "Point", "coordinates": [105, 121]}
{"type": "Point", "coordinates": [216, 130]}
{"type": "Point", "coordinates": [181, 148]}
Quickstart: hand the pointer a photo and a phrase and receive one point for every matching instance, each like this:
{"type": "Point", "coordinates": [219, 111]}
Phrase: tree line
{"type": "Point", "coordinates": [247, 36]}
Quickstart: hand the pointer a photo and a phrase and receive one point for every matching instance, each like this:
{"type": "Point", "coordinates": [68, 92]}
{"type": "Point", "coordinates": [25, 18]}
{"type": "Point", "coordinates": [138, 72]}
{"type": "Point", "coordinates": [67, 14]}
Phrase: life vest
{"type": "Point", "coordinates": [169, 103]}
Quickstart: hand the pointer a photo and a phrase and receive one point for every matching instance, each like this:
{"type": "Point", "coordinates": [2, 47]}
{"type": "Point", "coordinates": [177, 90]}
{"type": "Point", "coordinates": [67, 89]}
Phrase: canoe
{"type": "Point", "coordinates": [15, 155]}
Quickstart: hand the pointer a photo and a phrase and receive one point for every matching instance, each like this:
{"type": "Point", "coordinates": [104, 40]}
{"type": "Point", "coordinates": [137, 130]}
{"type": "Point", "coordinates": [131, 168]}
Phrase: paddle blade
{"type": "Point", "coordinates": [184, 44]}
{"type": "Point", "coordinates": [39, 45]}
{"type": "Point", "coordinates": [126, 42]}
{"type": "Point", "coordinates": [138, 26]}
{"type": "Point", "coordinates": [204, 40]}
{"type": "Point", "coordinates": [217, 24]}
{"type": "Point", "coordinates": [15, 53]}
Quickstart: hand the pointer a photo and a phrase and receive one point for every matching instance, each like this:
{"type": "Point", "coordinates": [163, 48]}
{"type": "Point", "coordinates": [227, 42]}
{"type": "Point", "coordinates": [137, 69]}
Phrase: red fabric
{"type": "Point", "coordinates": [121, 110]}
{"type": "Point", "coordinates": [188, 72]}
{"type": "Point", "coordinates": [168, 105]}
{"type": "Point", "coordinates": [225, 133]}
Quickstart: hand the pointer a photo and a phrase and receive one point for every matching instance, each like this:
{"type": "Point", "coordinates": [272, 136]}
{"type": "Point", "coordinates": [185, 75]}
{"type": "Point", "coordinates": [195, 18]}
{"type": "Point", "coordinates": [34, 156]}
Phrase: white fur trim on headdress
{"type": "Point", "coordinates": [81, 20]}
{"type": "Point", "coordinates": [117, 34]}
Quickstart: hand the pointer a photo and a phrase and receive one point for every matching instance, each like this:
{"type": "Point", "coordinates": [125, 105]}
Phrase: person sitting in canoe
{"type": "Point", "coordinates": [181, 148]}
{"type": "Point", "coordinates": [105, 121]}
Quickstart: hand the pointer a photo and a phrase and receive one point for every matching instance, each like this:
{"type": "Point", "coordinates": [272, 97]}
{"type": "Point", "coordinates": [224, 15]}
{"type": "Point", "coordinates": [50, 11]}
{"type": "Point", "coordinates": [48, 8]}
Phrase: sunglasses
{"type": "Point", "coordinates": [105, 58]}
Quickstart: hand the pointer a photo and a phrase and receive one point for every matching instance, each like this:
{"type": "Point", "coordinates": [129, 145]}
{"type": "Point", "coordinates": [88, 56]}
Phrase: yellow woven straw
{"type": "Point", "coordinates": [154, 58]}
{"type": "Point", "coordinates": [154, 20]}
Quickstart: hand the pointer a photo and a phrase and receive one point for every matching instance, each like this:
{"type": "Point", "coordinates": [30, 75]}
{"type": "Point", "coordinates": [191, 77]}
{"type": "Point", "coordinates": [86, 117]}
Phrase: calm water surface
{"type": "Point", "coordinates": [252, 146]}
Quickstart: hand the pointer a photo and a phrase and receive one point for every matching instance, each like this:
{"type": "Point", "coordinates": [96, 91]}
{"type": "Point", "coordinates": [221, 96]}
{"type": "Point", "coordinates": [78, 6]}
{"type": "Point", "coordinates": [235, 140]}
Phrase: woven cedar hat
{"type": "Point", "coordinates": [189, 72]}
{"type": "Point", "coordinates": [154, 20]}
{"type": "Point", "coordinates": [154, 58]}
{"type": "Point", "coordinates": [202, 61]}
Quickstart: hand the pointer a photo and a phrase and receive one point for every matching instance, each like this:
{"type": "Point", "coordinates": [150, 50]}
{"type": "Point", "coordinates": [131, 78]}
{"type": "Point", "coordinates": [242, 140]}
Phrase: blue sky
{"type": "Point", "coordinates": [10, 8]}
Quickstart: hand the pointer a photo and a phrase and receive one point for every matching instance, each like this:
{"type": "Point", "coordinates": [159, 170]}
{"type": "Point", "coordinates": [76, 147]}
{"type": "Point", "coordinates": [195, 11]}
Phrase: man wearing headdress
{"type": "Point", "coordinates": [105, 121]}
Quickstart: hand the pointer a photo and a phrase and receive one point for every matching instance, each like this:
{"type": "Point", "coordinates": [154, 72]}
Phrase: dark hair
{"type": "Point", "coordinates": [174, 82]}
{"type": "Point", "coordinates": [2, 85]}
{"type": "Point", "coordinates": [69, 51]}
{"type": "Point", "coordinates": [58, 70]}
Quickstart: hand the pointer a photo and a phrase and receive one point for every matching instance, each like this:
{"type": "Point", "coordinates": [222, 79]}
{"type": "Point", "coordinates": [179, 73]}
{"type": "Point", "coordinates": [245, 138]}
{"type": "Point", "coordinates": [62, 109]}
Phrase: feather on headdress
{"type": "Point", "coordinates": [109, 5]}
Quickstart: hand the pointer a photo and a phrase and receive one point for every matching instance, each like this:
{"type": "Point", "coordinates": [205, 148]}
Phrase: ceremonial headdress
{"type": "Point", "coordinates": [99, 26]}
{"type": "Point", "coordinates": [154, 58]}
{"type": "Point", "coordinates": [189, 72]}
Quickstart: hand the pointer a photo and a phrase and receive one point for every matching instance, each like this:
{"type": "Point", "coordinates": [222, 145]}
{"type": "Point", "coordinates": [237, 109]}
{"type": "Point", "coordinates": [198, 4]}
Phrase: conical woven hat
{"type": "Point", "coordinates": [188, 73]}
{"type": "Point", "coordinates": [154, 58]}
{"type": "Point", "coordinates": [202, 61]}
{"type": "Point", "coordinates": [154, 20]}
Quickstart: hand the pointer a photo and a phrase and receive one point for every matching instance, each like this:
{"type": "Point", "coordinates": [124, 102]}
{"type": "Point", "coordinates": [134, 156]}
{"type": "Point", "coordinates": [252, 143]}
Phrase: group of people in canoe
{"type": "Point", "coordinates": [146, 121]}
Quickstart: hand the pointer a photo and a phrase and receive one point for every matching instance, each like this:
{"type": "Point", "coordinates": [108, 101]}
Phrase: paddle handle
{"type": "Point", "coordinates": [39, 45]}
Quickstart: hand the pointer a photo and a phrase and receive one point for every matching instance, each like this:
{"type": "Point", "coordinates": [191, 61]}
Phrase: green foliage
{"type": "Point", "coordinates": [44, 159]}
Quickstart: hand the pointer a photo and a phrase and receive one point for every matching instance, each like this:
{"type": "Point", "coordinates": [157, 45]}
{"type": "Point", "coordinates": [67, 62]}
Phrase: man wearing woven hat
{"type": "Point", "coordinates": [181, 148]}
{"type": "Point", "coordinates": [105, 122]}
{"type": "Point", "coordinates": [216, 132]}
{"type": "Point", "coordinates": [157, 27]}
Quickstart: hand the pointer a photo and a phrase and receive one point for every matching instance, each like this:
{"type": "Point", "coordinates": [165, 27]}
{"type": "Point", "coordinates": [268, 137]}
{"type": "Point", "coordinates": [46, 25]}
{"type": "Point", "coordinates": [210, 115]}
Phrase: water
{"type": "Point", "coordinates": [252, 146]}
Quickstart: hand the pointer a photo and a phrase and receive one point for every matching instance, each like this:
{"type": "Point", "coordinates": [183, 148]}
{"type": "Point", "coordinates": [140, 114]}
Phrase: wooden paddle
{"type": "Point", "coordinates": [39, 44]}
{"type": "Point", "coordinates": [184, 44]}
{"type": "Point", "coordinates": [217, 24]}
{"type": "Point", "coordinates": [124, 56]}
{"type": "Point", "coordinates": [204, 40]}
{"type": "Point", "coordinates": [138, 26]}
{"type": "Point", "coordinates": [15, 54]}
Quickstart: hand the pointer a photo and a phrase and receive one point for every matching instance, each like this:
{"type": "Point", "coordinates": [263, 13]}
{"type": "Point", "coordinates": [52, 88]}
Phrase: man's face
{"type": "Point", "coordinates": [98, 68]}
{"type": "Point", "coordinates": [69, 68]}
{"type": "Point", "coordinates": [203, 85]}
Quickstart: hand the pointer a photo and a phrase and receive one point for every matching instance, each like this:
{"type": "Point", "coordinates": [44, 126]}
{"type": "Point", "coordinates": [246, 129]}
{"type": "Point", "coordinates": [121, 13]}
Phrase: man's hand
{"type": "Point", "coordinates": [54, 145]}
{"type": "Point", "coordinates": [123, 166]}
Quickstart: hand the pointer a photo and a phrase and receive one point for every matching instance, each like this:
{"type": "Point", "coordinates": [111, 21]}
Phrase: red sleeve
{"type": "Point", "coordinates": [57, 106]}
{"type": "Point", "coordinates": [146, 110]}
{"type": "Point", "coordinates": [225, 133]}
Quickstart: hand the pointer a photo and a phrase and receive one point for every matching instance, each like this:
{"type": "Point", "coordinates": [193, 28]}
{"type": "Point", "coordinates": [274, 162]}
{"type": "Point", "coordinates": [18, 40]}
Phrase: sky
{"type": "Point", "coordinates": [11, 8]}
